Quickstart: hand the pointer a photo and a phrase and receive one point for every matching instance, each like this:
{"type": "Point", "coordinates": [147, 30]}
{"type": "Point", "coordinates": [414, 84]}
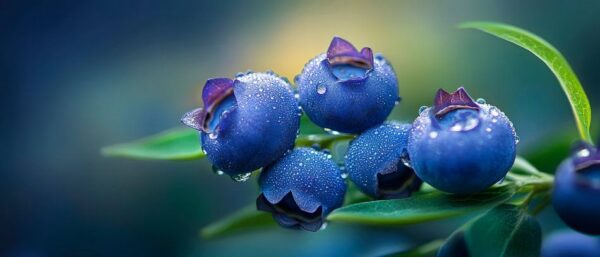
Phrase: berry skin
{"type": "Point", "coordinates": [374, 162]}
{"type": "Point", "coordinates": [346, 90]}
{"type": "Point", "coordinates": [576, 195]}
{"type": "Point", "coordinates": [301, 188]}
{"type": "Point", "coordinates": [246, 123]}
{"type": "Point", "coordinates": [570, 244]}
{"type": "Point", "coordinates": [460, 146]}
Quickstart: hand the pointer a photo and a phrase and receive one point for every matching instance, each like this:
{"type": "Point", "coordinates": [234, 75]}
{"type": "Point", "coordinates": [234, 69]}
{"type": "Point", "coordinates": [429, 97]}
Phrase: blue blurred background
{"type": "Point", "coordinates": [79, 75]}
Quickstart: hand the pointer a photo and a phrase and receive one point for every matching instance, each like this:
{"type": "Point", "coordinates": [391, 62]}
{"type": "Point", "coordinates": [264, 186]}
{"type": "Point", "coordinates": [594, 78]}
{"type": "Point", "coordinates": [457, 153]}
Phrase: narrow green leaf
{"type": "Point", "coordinates": [174, 144]}
{"type": "Point", "coordinates": [554, 60]}
{"type": "Point", "coordinates": [246, 219]}
{"type": "Point", "coordinates": [421, 207]}
{"type": "Point", "coordinates": [505, 231]}
{"type": "Point", "coordinates": [425, 250]}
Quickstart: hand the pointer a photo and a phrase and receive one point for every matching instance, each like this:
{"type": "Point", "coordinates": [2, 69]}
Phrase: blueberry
{"type": "Point", "coordinates": [301, 188]}
{"type": "Point", "coordinates": [246, 123]}
{"type": "Point", "coordinates": [570, 244]}
{"type": "Point", "coordinates": [346, 90]}
{"type": "Point", "coordinates": [374, 162]}
{"type": "Point", "coordinates": [460, 146]}
{"type": "Point", "coordinates": [576, 195]}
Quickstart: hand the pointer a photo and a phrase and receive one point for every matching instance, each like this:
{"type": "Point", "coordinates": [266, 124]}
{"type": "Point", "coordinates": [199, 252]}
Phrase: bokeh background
{"type": "Point", "coordinates": [79, 75]}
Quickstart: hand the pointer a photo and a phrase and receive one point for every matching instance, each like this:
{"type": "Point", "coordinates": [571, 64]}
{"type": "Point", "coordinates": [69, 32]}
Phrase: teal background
{"type": "Point", "coordinates": [79, 75]}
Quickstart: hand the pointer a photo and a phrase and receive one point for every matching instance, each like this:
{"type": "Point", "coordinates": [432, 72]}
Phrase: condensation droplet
{"type": "Point", "coordinates": [331, 131]}
{"type": "Point", "coordinates": [321, 89]}
{"type": "Point", "coordinates": [481, 101]}
{"type": "Point", "coordinates": [323, 226]}
{"type": "Point", "coordinates": [213, 135]}
{"type": "Point", "coordinates": [583, 153]}
{"type": "Point", "coordinates": [422, 109]}
{"type": "Point", "coordinates": [241, 177]}
{"type": "Point", "coordinates": [488, 129]}
{"type": "Point", "coordinates": [297, 96]}
{"type": "Point", "coordinates": [344, 175]}
{"type": "Point", "coordinates": [405, 158]}
{"type": "Point", "coordinates": [217, 170]}
{"type": "Point", "coordinates": [517, 139]}
{"type": "Point", "coordinates": [433, 134]}
{"type": "Point", "coordinates": [494, 112]}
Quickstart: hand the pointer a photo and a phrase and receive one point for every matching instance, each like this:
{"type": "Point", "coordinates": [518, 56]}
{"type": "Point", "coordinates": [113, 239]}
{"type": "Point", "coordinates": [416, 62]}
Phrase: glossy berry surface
{"type": "Point", "coordinates": [246, 123]}
{"type": "Point", "coordinates": [570, 244]}
{"type": "Point", "coordinates": [346, 90]}
{"type": "Point", "coordinates": [301, 188]}
{"type": "Point", "coordinates": [461, 146]}
{"type": "Point", "coordinates": [374, 162]}
{"type": "Point", "coordinates": [576, 195]}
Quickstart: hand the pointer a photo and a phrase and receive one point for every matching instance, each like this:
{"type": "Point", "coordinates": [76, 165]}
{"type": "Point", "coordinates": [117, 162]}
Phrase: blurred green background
{"type": "Point", "coordinates": [79, 75]}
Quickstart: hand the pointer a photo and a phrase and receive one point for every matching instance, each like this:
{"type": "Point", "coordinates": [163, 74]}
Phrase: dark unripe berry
{"type": "Point", "coordinates": [461, 146]}
{"type": "Point", "coordinates": [301, 188]}
{"type": "Point", "coordinates": [374, 162]}
{"type": "Point", "coordinates": [246, 123]}
{"type": "Point", "coordinates": [346, 90]}
{"type": "Point", "coordinates": [576, 195]}
{"type": "Point", "coordinates": [570, 244]}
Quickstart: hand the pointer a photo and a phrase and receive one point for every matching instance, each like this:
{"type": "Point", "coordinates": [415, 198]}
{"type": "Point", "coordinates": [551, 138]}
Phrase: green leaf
{"type": "Point", "coordinates": [504, 231]}
{"type": "Point", "coordinates": [246, 219]}
{"type": "Point", "coordinates": [554, 60]}
{"type": "Point", "coordinates": [174, 144]}
{"type": "Point", "coordinates": [426, 250]}
{"type": "Point", "coordinates": [421, 207]}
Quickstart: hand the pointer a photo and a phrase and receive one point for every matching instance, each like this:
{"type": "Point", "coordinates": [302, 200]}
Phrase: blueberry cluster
{"type": "Point", "coordinates": [458, 145]}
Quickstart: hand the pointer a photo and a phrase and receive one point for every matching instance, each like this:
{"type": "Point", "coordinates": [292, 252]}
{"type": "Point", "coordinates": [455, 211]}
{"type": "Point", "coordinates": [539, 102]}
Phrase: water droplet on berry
{"type": "Point", "coordinates": [422, 108]}
{"type": "Point", "coordinates": [494, 112]}
{"type": "Point", "coordinates": [583, 153]}
{"type": "Point", "coordinates": [296, 79]}
{"type": "Point", "coordinates": [481, 101]}
{"type": "Point", "coordinates": [331, 131]}
{"type": "Point", "coordinates": [321, 89]}
{"type": "Point", "coordinates": [213, 135]}
{"type": "Point", "coordinates": [241, 177]}
{"type": "Point", "coordinates": [488, 129]}
{"type": "Point", "coordinates": [344, 175]}
{"type": "Point", "coordinates": [323, 226]}
{"type": "Point", "coordinates": [297, 96]}
{"type": "Point", "coordinates": [405, 158]}
{"type": "Point", "coordinates": [517, 139]}
{"type": "Point", "coordinates": [433, 134]}
{"type": "Point", "coordinates": [217, 170]}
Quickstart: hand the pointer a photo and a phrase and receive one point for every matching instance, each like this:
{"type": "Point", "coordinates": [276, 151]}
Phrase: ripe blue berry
{"type": "Point", "coordinates": [460, 146]}
{"type": "Point", "coordinates": [246, 123]}
{"type": "Point", "coordinates": [346, 90]}
{"type": "Point", "coordinates": [570, 244]}
{"type": "Point", "coordinates": [374, 162]}
{"type": "Point", "coordinates": [576, 196]}
{"type": "Point", "coordinates": [301, 188]}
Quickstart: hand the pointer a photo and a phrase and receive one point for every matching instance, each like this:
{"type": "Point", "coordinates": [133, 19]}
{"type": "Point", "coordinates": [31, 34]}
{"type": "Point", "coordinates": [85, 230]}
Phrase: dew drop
{"type": "Point", "coordinates": [331, 131]}
{"type": "Point", "coordinates": [321, 89]}
{"type": "Point", "coordinates": [344, 175]}
{"type": "Point", "coordinates": [488, 129]}
{"type": "Point", "coordinates": [481, 101]}
{"type": "Point", "coordinates": [241, 177]}
{"type": "Point", "coordinates": [323, 226]}
{"type": "Point", "coordinates": [405, 158]}
{"type": "Point", "coordinates": [433, 134]}
{"type": "Point", "coordinates": [217, 170]}
{"type": "Point", "coordinates": [213, 135]}
{"type": "Point", "coordinates": [297, 96]}
{"type": "Point", "coordinates": [583, 153]}
{"type": "Point", "coordinates": [300, 164]}
{"type": "Point", "coordinates": [422, 109]}
{"type": "Point", "coordinates": [517, 139]}
{"type": "Point", "coordinates": [494, 112]}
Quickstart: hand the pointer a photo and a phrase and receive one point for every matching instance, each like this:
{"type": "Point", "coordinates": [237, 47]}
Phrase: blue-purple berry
{"type": "Point", "coordinates": [301, 188]}
{"type": "Point", "coordinates": [374, 162]}
{"type": "Point", "coordinates": [570, 244]}
{"type": "Point", "coordinates": [576, 195]}
{"type": "Point", "coordinates": [461, 146]}
{"type": "Point", "coordinates": [246, 123]}
{"type": "Point", "coordinates": [346, 90]}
